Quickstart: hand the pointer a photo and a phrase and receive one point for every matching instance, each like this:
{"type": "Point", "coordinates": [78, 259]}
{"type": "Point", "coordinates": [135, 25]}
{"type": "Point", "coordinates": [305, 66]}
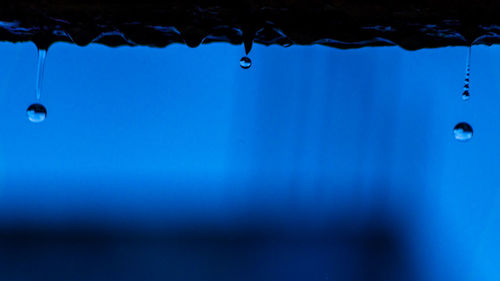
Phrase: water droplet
{"type": "Point", "coordinates": [245, 62]}
{"type": "Point", "coordinates": [36, 113]}
{"type": "Point", "coordinates": [466, 93]}
{"type": "Point", "coordinates": [463, 131]}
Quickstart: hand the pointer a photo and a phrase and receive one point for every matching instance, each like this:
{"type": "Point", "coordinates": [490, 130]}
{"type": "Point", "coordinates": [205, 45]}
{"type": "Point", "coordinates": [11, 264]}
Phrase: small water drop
{"type": "Point", "coordinates": [36, 113]}
{"type": "Point", "coordinates": [245, 62]}
{"type": "Point", "coordinates": [463, 131]}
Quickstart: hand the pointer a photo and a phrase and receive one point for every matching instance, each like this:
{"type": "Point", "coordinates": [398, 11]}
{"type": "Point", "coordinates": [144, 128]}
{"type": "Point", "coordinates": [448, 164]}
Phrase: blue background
{"type": "Point", "coordinates": [309, 142]}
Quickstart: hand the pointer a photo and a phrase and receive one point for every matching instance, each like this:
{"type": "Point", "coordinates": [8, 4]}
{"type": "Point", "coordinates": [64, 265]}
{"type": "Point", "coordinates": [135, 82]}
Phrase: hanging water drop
{"type": "Point", "coordinates": [36, 113]}
{"type": "Point", "coordinates": [245, 62]}
{"type": "Point", "coordinates": [463, 131]}
{"type": "Point", "coordinates": [466, 93]}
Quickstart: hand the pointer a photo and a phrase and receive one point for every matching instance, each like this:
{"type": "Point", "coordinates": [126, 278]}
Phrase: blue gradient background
{"type": "Point", "coordinates": [309, 142]}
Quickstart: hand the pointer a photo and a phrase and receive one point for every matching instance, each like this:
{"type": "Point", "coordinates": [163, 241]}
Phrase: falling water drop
{"type": "Point", "coordinates": [245, 62]}
{"type": "Point", "coordinates": [36, 113]}
{"type": "Point", "coordinates": [463, 131]}
{"type": "Point", "coordinates": [466, 93]}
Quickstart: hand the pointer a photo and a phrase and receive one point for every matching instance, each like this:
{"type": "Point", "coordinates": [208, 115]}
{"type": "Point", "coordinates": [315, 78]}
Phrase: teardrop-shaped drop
{"type": "Point", "coordinates": [36, 113]}
{"type": "Point", "coordinates": [248, 42]}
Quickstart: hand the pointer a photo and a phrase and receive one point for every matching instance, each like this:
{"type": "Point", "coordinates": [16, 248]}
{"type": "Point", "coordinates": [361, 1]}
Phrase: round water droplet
{"type": "Point", "coordinates": [466, 95]}
{"type": "Point", "coordinates": [36, 113]}
{"type": "Point", "coordinates": [463, 131]}
{"type": "Point", "coordinates": [245, 62]}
